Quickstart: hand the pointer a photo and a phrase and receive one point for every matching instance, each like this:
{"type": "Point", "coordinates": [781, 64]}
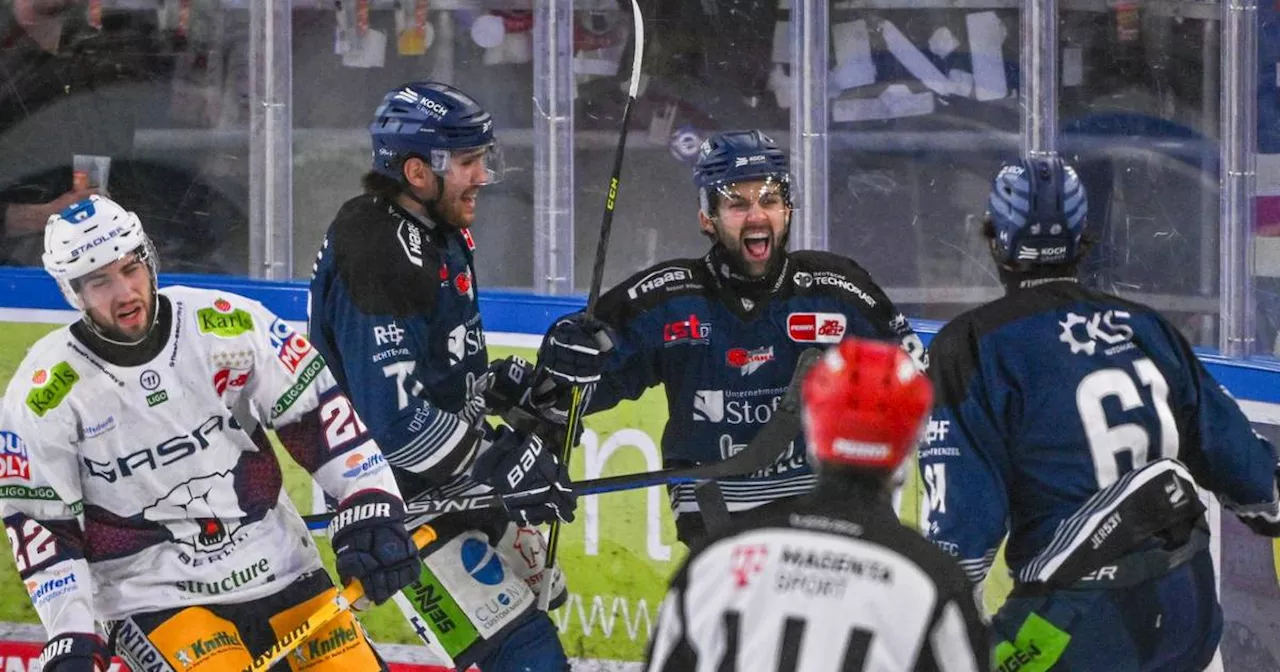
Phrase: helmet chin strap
{"type": "Point", "coordinates": [429, 205]}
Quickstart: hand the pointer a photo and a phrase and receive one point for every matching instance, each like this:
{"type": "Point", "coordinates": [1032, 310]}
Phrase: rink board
{"type": "Point", "coordinates": [623, 547]}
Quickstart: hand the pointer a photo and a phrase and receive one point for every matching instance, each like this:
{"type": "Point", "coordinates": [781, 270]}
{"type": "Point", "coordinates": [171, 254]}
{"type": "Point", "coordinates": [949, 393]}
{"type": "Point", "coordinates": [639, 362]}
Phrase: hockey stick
{"type": "Point", "coordinates": [760, 453]}
{"type": "Point", "coordinates": [330, 610]}
{"type": "Point", "coordinates": [597, 270]}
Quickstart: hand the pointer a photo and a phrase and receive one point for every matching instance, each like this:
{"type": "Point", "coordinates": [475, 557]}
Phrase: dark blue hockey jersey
{"type": "Point", "coordinates": [1054, 392]}
{"type": "Point", "coordinates": [725, 355]}
{"type": "Point", "coordinates": [393, 310]}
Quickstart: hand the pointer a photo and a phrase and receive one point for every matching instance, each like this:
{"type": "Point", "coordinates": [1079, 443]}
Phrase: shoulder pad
{"type": "Point", "coordinates": [389, 264]}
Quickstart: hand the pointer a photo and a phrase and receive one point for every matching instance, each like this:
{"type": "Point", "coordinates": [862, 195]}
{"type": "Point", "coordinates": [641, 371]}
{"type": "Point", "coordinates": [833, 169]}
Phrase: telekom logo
{"type": "Point", "coordinates": [747, 562]}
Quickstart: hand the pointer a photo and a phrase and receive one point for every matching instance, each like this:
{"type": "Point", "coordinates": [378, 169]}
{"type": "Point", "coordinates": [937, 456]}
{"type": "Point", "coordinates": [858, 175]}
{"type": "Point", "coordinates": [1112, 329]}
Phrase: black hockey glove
{"type": "Point", "coordinates": [534, 486]}
{"type": "Point", "coordinates": [510, 382]}
{"type": "Point", "coordinates": [75, 652]}
{"type": "Point", "coordinates": [574, 349]}
{"type": "Point", "coordinates": [371, 544]}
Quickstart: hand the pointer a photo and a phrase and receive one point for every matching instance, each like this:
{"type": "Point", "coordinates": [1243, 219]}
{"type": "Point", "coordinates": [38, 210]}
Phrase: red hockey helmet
{"type": "Point", "coordinates": [865, 404]}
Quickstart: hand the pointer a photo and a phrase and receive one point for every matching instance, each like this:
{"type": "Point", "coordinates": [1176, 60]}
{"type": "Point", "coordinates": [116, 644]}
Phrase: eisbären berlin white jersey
{"type": "Point", "coordinates": [127, 489]}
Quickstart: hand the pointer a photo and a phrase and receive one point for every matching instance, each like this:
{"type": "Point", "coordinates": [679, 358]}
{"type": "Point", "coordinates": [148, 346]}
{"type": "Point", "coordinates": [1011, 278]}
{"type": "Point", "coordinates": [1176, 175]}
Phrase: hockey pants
{"type": "Point", "coordinates": [1171, 623]}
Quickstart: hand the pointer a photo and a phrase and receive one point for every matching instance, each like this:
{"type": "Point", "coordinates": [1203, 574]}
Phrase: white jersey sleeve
{"type": "Point", "coordinates": [40, 498]}
{"type": "Point", "coordinates": [289, 388]}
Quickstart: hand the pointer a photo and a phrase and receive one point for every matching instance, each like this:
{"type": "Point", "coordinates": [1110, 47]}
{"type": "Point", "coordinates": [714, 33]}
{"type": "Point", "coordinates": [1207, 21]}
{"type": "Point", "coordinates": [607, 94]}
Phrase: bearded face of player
{"type": "Point", "coordinates": [468, 170]}
{"type": "Point", "coordinates": [120, 298]}
{"type": "Point", "coordinates": [750, 220]}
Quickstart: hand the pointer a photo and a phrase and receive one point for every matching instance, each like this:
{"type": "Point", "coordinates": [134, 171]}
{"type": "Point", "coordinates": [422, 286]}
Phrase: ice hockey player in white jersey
{"type": "Point", "coordinates": [140, 495]}
{"type": "Point", "coordinates": [834, 582]}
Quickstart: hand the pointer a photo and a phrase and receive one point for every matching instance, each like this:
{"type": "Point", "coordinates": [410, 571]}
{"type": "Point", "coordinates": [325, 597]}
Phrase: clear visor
{"type": "Point", "coordinates": [736, 200]}
{"type": "Point", "coordinates": [478, 166]}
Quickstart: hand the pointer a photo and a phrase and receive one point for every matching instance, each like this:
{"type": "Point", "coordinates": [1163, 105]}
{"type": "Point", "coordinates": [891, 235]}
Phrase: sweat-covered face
{"type": "Point", "coordinates": [119, 298]}
{"type": "Point", "coordinates": [750, 220]}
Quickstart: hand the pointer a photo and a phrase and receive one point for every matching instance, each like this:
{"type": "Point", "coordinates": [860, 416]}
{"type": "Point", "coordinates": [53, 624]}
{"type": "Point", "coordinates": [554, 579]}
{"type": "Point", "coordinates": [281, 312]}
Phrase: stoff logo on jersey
{"type": "Point", "coordinates": [13, 456]}
{"type": "Point", "coordinates": [816, 327]}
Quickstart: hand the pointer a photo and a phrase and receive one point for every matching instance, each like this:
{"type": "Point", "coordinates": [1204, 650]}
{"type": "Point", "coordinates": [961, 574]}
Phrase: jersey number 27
{"type": "Point", "coordinates": [1107, 441]}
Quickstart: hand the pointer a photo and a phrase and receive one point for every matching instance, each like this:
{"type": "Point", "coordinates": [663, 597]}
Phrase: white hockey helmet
{"type": "Point", "coordinates": [88, 235]}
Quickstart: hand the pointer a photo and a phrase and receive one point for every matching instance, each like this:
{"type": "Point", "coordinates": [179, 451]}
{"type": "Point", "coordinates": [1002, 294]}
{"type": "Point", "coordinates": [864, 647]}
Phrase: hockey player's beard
{"type": "Point", "coordinates": [734, 253]}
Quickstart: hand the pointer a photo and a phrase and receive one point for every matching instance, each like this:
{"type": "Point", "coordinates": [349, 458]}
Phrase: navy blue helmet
{"type": "Point", "coordinates": [429, 120]}
{"type": "Point", "coordinates": [1038, 209]}
{"type": "Point", "coordinates": [738, 156]}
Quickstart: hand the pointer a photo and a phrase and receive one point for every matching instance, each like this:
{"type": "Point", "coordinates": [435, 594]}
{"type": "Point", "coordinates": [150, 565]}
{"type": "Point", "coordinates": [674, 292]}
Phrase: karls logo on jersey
{"type": "Point", "coordinates": [410, 241]}
{"type": "Point", "coordinates": [1082, 333]}
{"type": "Point", "coordinates": [390, 334]}
{"type": "Point", "coordinates": [52, 387]}
{"type": "Point", "coordinates": [691, 330]}
{"type": "Point", "coordinates": [358, 465]}
{"type": "Point", "coordinates": [291, 347]}
{"type": "Point", "coordinates": [748, 361]}
{"type": "Point", "coordinates": [223, 320]}
{"type": "Point", "coordinates": [748, 561]}
{"type": "Point", "coordinates": [14, 462]}
{"type": "Point", "coordinates": [816, 327]}
{"type": "Point", "coordinates": [659, 279]}
{"type": "Point", "coordinates": [230, 379]}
